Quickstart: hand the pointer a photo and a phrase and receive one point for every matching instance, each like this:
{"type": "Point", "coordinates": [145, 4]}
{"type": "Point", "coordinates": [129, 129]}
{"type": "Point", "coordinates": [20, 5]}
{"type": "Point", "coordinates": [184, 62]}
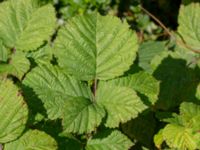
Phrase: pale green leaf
{"type": "Point", "coordinates": [54, 87]}
{"type": "Point", "coordinates": [121, 103]}
{"type": "Point", "coordinates": [25, 25]}
{"type": "Point", "coordinates": [158, 139]}
{"type": "Point", "coordinates": [81, 115]}
{"type": "Point", "coordinates": [180, 137]}
{"type": "Point", "coordinates": [115, 141]}
{"type": "Point", "coordinates": [18, 65]}
{"type": "Point", "coordinates": [96, 47]}
{"type": "Point", "coordinates": [188, 19]}
{"type": "Point", "coordinates": [141, 82]}
{"type": "Point", "coordinates": [42, 56]}
{"type": "Point", "coordinates": [33, 140]}
{"type": "Point", "coordinates": [13, 112]}
{"type": "Point", "coordinates": [189, 110]}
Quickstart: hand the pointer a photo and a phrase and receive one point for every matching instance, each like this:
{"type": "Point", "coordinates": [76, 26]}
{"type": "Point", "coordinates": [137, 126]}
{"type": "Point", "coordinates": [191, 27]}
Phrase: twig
{"type": "Point", "coordinates": [167, 30]}
{"type": "Point", "coordinates": [1, 147]}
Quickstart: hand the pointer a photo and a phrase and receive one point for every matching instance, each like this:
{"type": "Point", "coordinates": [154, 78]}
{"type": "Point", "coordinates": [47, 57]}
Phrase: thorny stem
{"type": "Point", "coordinates": [180, 42]}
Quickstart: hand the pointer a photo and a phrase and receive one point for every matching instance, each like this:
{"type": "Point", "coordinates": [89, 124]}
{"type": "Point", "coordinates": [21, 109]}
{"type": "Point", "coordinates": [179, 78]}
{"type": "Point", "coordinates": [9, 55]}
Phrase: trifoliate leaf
{"type": "Point", "coordinates": [188, 19]}
{"type": "Point", "coordinates": [13, 112]}
{"type": "Point", "coordinates": [25, 25]}
{"type": "Point", "coordinates": [81, 115]}
{"type": "Point", "coordinates": [18, 65]}
{"type": "Point", "coordinates": [121, 103]}
{"type": "Point", "coordinates": [54, 87]}
{"type": "Point", "coordinates": [141, 82]}
{"type": "Point", "coordinates": [115, 141]}
{"type": "Point", "coordinates": [33, 140]}
{"type": "Point", "coordinates": [96, 47]}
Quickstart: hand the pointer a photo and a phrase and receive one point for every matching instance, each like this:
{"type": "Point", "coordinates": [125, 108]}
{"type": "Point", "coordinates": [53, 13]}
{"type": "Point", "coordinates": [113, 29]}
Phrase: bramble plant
{"type": "Point", "coordinates": [90, 85]}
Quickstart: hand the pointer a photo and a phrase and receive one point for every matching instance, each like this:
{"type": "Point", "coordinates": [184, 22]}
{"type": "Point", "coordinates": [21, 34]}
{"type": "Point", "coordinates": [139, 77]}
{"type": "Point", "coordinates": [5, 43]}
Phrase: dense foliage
{"type": "Point", "coordinates": [99, 75]}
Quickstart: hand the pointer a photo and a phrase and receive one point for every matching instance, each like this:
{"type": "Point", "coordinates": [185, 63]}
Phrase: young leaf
{"type": "Point", "coordinates": [25, 25]}
{"type": "Point", "coordinates": [141, 82]}
{"type": "Point", "coordinates": [180, 137]}
{"type": "Point", "coordinates": [13, 112]}
{"type": "Point", "coordinates": [183, 130]}
{"type": "Point", "coordinates": [18, 65]}
{"type": "Point", "coordinates": [32, 140]}
{"type": "Point", "coordinates": [115, 141]}
{"type": "Point", "coordinates": [189, 18]}
{"type": "Point", "coordinates": [96, 47]}
{"type": "Point", "coordinates": [81, 115]}
{"type": "Point", "coordinates": [121, 103]}
{"type": "Point", "coordinates": [54, 87]}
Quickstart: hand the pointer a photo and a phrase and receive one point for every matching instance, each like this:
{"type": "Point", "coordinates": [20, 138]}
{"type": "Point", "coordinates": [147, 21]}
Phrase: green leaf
{"type": "Point", "coordinates": [180, 137]}
{"type": "Point", "coordinates": [121, 103]}
{"type": "Point", "coordinates": [188, 19]}
{"type": "Point", "coordinates": [25, 25]}
{"type": "Point", "coordinates": [81, 115]}
{"type": "Point", "coordinates": [158, 139]}
{"type": "Point", "coordinates": [54, 87]}
{"type": "Point", "coordinates": [198, 92]}
{"type": "Point", "coordinates": [42, 56]}
{"type": "Point", "coordinates": [183, 130]}
{"type": "Point", "coordinates": [13, 112]}
{"type": "Point", "coordinates": [18, 65]}
{"type": "Point", "coordinates": [33, 140]}
{"type": "Point", "coordinates": [189, 110]}
{"type": "Point", "coordinates": [3, 52]}
{"type": "Point", "coordinates": [147, 51]}
{"type": "Point", "coordinates": [115, 141]}
{"type": "Point", "coordinates": [96, 47]}
{"type": "Point", "coordinates": [141, 82]}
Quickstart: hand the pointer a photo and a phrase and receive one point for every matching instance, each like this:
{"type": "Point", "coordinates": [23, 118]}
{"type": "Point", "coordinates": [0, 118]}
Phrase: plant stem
{"type": "Point", "coordinates": [94, 89]}
{"type": "Point", "coordinates": [1, 147]}
{"type": "Point", "coordinates": [180, 42]}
